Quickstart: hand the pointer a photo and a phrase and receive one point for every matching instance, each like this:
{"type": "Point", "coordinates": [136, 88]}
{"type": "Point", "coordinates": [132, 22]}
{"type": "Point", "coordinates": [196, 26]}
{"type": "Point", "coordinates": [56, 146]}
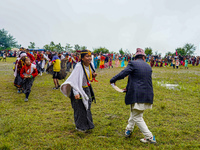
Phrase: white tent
{"type": "Point", "coordinates": [15, 49]}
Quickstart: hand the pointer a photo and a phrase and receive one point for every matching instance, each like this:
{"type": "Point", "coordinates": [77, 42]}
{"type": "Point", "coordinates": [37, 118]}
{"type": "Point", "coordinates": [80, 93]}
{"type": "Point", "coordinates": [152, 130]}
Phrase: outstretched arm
{"type": "Point", "coordinates": [123, 73]}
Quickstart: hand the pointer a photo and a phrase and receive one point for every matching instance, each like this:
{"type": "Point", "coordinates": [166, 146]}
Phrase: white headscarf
{"type": "Point", "coordinates": [75, 81]}
{"type": "Point", "coordinates": [21, 55]}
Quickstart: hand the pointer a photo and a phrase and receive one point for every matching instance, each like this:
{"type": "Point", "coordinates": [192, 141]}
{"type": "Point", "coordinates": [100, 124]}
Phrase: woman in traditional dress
{"type": "Point", "coordinates": [28, 73]}
{"type": "Point", "coordinates": [117, 61]}
{"type": "Point", "coordinates": [95, 61]}
{"type": "Point", "coordinates": [161, 63]}
{"type": "Point", "coordinates": [197, 61]}
{"type": "Point", "coordinates": [177, 63]}
{"type": "Point", "coordinates": [106, 62]}
{"type": "Point", "coordinates": [110, 62]}
{"type": "Point", "coordinates": [102, 58]}
{"type": "Point", "coordinates": [122, 63]}
{"type": "Point", "coordinates": [156, 63]}
{"type": "Point", "coordinates": [186, 63]}
{"type": "Point", "coordinates": [193, 60]}
{"type": "Point", "coordinates": [18, 66]}
{"type": "Point", "coordinates": [152, 61]}
{"type": "Point", "coordinates": [173, 62]}
{"type": "Point", "coordinates": [165, 62]}
{"type": "Point", "coordinates": [78, 88]}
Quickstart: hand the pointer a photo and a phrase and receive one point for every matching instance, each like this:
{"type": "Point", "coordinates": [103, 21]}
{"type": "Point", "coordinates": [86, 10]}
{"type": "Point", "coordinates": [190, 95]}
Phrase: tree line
{"type": "Point", "coordinates": [7, 41]}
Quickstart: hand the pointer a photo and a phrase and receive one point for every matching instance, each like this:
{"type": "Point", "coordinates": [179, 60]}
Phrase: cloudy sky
{"type": "Point", "coordinates": [162, 25]}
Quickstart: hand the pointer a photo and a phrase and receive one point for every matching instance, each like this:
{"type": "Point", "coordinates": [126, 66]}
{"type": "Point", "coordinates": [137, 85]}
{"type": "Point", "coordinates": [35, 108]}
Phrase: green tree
{"type": "Point", "coordinates": [46, 47]}
{"type": "Point", "coordinates": [77, 47]}
{"type": "Point", "coordinates": [83, 47]}
{"type": "Point", "coordinates": [59, 48]}
{"type": "Point", "coordinates": [101, 50]}
{"type": "Point", "coordinates": [32, 45]}
{"type": "Point", "coordinates": [7, 40]}
{"type": "Point", "coordinates": [189, 49]}
{"type": "Point", "coordinates": [50, 47]}
{"type": "Point", "coordinates": [127, 51]}
{"type": "Point", "coordinates": [169, 53]}
{"type": "Point", "coordinates": [52, 44]}
{"type": "Point", "coordinates": [180, 51]}
{"type": "Point", "coordinates": [148, 51]}
{"type": "Point", "coordinates": [68, 48]}
{"type": "Point", "coordinates": [121, 51]}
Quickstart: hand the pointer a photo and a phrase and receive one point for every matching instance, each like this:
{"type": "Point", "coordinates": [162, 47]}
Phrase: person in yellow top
{"type": "Point", "coordinates": [56, 69]}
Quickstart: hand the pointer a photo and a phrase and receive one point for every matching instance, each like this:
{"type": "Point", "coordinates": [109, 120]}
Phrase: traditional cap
{"type": "Point", "coordinates": [84, 52]}
{"type": "Point", "coordinates": [139, 51]}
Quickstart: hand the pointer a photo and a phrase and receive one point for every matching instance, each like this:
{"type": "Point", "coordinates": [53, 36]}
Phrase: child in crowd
{"type": "Point", "coordinates": [177, 63]}
{"type": "Point", "coordinates": [117, 61]}
{"type": "Point", "coordinates": [173, 62]}
{"type": "Point", "coordinates": [186, 63]}
{"type": "Point", "coordinates": [4, 56]}
{"type": "Point", "coordinates": [165, 62]}
{"type": "Point", "coordinates": [28, 73]}
{"type": "Point", "coordinates": [56, 69]}
{"type": "Point", "coordinates": [156, 63]}
{"type": "Point", "coordinates": [110, 62]}
{"type": "Point", "coordinates": [161, 63]}
{"type": "Point", "coordinates": [18, 66]}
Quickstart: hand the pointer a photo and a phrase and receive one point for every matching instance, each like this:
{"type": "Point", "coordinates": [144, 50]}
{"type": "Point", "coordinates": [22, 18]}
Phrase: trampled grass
{"type": "Point", "coordinates": [46, 121]}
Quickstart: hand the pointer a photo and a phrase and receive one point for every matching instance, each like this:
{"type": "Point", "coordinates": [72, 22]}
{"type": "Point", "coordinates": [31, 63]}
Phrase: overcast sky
{"type": "Point", "coordinates": [162, 25]}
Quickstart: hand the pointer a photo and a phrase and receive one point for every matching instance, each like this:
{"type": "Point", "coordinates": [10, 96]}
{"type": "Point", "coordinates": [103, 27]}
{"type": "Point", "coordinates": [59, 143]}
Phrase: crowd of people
{"type": "Point", "coordinates": [173, 60]}
{"type": "Point", "coordinates": [58, 64]}
{"type": "Point", "coordinates": [82, 66]}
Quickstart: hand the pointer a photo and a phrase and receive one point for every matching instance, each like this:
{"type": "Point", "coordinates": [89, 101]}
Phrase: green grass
{"type": "Point", "coordinates": [46, 121]}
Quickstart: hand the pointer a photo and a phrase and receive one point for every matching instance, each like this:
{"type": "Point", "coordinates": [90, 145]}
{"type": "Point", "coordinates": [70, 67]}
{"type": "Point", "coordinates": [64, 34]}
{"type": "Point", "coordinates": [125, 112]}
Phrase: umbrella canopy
{"type": "Point", "coordinates": [15, 49]}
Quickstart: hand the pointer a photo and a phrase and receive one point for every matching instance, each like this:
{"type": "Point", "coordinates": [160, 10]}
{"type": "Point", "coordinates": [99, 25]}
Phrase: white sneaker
{"type": "Point", "coordinates": [80, 130]}
{"type": "Point", "coordinates": [26, 100]}
{"type": "Point", "coordinates": [150, 140]}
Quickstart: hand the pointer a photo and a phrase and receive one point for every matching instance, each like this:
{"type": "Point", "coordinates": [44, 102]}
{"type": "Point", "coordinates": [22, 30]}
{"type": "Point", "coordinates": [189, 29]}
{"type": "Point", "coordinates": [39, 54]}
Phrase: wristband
{"type": "Point", "coordinates": [31, 76]}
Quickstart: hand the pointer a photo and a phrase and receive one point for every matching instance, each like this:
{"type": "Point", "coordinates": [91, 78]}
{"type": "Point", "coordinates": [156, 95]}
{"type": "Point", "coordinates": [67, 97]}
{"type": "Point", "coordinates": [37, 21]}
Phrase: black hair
{"type": "Point", "coordinates": [83, 53]}
{"type": "Point", "coordinates": [139, 57]}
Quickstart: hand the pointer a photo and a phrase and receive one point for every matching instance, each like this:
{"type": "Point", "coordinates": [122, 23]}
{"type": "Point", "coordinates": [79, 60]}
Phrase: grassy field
{"type": "Point", "coordinates": [46, 121]}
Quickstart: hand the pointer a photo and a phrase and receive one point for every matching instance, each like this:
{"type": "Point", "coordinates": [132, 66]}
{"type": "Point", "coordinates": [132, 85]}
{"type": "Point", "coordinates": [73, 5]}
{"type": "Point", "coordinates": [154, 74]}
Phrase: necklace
{"type": "Point", "coordinates": [28, 69]}
{"type": "Point", "coordinates": [90, 79]}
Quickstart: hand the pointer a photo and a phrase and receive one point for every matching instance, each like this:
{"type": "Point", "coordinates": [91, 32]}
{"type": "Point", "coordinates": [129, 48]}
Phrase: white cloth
{"type": "Point", "coordinates": [21, 55]}
{"type": "Point", "coordinates": [141, 106]}
{"type": "Point", "coordinates": [15, 73]}
{"type": "Point", "coordinates": [92, 58]}
{"type": "Point", "coordinates": [62, 57]}
{"type": "Point", "coordinates": [84, 80]}
{"type": "Point", "coordinates": [43, 61]}
{"type": "Point", "coordinates": [76, 81]}
{"type": "Point", "coordinates": [136, 117]}
{"type": "Point", "coordinates": [30, 71]}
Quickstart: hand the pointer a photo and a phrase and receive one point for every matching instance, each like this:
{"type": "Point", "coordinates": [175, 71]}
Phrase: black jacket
{"type": "Point", "coordinates": [139, 87]}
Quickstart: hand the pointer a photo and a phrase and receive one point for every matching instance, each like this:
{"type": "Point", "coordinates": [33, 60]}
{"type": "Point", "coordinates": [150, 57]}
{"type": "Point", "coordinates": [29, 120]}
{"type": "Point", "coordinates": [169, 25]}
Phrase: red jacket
{"type": "Point", "coordinates": [38, 57]}
{"type": "Point", "coordinates": [32, 58]}
{"type": "Point", "coordinates": [25, 68]}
